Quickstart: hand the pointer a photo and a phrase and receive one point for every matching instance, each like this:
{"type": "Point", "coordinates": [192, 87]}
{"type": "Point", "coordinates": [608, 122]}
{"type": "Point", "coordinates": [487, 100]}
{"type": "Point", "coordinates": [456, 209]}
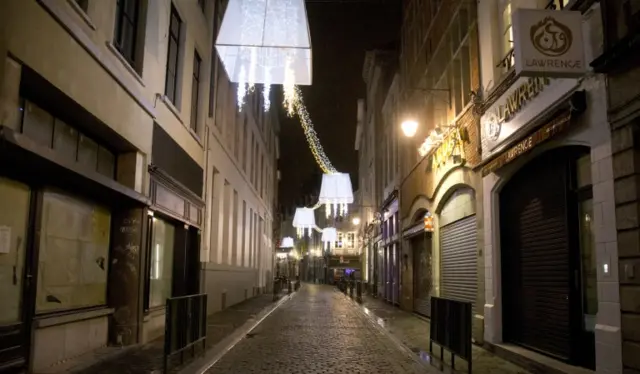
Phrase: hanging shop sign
{"type": "Point", "coordinates": [514, 111]}
{"type": "Point", "coordinates": [452, 148]}
{"type": "Point", "coordinates": [548, 42]}
{"type": "Point", "coordinates": [555, 126]}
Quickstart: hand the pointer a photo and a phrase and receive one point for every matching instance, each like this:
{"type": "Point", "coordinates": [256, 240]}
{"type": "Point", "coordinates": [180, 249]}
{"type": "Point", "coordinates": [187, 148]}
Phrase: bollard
{"type": "Point", "coordinates": [344, 288]}
{"type": "Point", "coordinates": [359, 292]}
{"type": "Point", "coordinates": [290, 289]}
{"type": "Point", "coordinates": [351, 289]}
{"type": "Point", "coordinates": [275, 290]}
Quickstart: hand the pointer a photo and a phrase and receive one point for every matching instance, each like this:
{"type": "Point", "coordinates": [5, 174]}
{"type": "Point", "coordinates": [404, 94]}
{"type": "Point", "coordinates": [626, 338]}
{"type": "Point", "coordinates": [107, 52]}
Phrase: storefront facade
{"type": "Point", "coordinates": [389, 251]}
{"type": "Point", "coordinates": [549, 220]}
{"type": "Point", "coordinates": [442, 257]}
{"type": "Point", "coordinates": [65, 226]}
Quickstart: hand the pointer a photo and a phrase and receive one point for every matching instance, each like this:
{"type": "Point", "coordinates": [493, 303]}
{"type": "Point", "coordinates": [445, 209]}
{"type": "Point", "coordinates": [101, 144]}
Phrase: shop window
{"type": "Point", "coordinates": [161, 262]}
{"type": "Point", "coordinates": [73, 254]}
{"type": "Point", "coordinates": [587, 243]}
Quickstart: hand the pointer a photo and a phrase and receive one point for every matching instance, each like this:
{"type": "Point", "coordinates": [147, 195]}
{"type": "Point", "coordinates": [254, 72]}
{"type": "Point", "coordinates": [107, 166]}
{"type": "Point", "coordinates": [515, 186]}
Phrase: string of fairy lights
{"type": "Point", "coordinates": [294, 104]}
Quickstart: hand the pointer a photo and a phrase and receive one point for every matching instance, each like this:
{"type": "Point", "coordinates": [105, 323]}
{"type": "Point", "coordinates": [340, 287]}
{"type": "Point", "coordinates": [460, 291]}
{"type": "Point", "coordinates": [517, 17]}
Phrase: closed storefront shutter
{"type": "Point", "coordinates": [535, 258]}
{"type": "Point", "coordinates": [458, 243]}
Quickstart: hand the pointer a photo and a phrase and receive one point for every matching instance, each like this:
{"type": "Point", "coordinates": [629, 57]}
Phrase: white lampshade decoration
{"type": "Point", "coordinates": [336, 191]}
{"type": "Point", "coordinates": [304, 220]}
{"type": "Point", "coordinates": [329, 234]}
{"type": "Point", "coordinates": [265, 41]}
{"type": "Point", "coordinates": [287, 242]}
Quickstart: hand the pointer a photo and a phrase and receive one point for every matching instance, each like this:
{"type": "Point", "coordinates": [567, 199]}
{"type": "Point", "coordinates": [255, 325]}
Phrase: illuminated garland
{"type": "Point", "coordinates": [294, 104]}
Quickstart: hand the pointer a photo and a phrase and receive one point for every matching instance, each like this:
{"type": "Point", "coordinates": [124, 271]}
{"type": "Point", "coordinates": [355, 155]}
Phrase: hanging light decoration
{"type": "Point", "coordinates": [329, 235]}
{"type": "Point", "coordinates": [336, 193]}
{"type": "Point", "coordinates": [265, 42]}
{"type": "Point", "coordinates": [304, 221]}
{"type": "Point", "coordinates": [287, 242]}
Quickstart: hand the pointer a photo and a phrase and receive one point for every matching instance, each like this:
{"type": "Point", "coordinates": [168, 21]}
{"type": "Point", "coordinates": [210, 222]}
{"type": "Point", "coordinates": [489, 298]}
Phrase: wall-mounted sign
{"type": "Point", "coordinates": [516, 109]}
{"type": "Point", "coordinates": [555, 126]}
{"type": "Point", "coordinates": [452, 148]}
{"type": "Point", "coordinates": [548, 42]}
{"type": "Point", "coordinates": [448, 148]}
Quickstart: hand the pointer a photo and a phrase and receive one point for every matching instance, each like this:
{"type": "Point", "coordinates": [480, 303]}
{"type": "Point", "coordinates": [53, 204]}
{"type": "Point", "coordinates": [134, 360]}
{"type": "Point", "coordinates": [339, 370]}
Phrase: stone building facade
{"type": "Point", "coordinates": [620, 62]}
{"type": "Point", "coordinates": [116, 136]}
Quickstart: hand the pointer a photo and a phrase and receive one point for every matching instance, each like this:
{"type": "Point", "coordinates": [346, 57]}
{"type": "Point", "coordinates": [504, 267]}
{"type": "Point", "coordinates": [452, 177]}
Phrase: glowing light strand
{"type": "Point", "coordinates": [294, 99]}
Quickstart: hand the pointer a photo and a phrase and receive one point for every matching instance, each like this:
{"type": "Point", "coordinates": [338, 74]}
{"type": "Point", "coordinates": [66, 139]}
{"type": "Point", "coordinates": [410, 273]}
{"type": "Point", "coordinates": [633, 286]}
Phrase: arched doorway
{"type": "Point", "coordinates": [549, 289]}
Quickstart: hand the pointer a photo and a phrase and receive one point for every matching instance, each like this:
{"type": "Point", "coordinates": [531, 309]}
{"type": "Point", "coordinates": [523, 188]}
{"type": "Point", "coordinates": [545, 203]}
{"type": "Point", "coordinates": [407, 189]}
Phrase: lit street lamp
{"type": "Point", "coordinates": [409, 128]}
{"type": "Point", "coordinates": [355, 221]}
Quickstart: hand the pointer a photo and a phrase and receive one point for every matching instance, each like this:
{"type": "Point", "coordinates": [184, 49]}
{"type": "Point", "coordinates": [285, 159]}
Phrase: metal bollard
{"type": "Point", "coordinates": [359, 292]}
{"type": "Point", "coordinates": [275, 290]}
{"type": "Point", "coordinates": [351, 289]}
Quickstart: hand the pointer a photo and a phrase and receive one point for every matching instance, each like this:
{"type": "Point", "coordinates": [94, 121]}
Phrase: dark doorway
{"type": "Point", "coordinates": [547, 274]}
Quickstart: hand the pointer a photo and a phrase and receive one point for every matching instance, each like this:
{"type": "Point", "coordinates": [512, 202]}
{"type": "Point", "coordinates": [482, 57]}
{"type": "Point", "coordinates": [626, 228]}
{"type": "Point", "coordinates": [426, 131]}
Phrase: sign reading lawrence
{"type": "Point", "coordinates": [548, 42]}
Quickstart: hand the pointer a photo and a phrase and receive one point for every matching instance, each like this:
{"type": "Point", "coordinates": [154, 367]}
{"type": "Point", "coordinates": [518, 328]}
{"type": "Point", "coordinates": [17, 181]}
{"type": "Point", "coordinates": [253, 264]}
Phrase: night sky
{"type": "Point", "coordinates": [341, 32]}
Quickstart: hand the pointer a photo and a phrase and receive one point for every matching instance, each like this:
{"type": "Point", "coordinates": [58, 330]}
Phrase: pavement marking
{"type": "Point", "coordinates": [219, 350]}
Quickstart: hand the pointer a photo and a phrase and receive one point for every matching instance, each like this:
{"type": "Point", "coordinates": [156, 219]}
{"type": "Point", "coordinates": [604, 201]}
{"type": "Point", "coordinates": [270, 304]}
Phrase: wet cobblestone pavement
{"type": "Point", "coordinates": [318, 331]}
{"type": "Point", "coordinates": [148, 358]}
{"type": "Point", "coordinates": [413, 332]}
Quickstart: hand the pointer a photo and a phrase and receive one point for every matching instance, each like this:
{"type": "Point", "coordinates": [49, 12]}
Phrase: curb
{"type": "Point", "coordinates": [400, 345]}
{"type": "Point", "coordinates": [210, 358]}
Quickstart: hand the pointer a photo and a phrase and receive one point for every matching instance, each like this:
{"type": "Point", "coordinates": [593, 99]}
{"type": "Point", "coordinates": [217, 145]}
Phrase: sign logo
{"type": "Point", "coordinates": [551, 38]}
{"type": "Point", "coordinates": [492, 126]}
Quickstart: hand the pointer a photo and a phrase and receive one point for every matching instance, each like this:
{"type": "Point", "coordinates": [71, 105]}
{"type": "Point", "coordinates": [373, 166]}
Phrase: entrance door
{"type": "Point", "coordinates": [421, 275]}
{"type": "Point", "coordinates": [542, 266]}
{"type": "Point", "coordinates": [15, 275]}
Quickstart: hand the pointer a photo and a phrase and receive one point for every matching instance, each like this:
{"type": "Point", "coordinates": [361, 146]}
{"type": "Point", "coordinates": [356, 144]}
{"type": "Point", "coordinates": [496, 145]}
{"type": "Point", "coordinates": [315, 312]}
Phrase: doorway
{"type": "Point", "coordinates": [15, 274]}
{"type": "Point", "coordinates": [548, 257]}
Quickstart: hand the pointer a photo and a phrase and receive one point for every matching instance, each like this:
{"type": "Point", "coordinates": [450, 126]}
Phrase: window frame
{"type": "Point", "coordinates": [133, 21]}
{"type": "Point", "coordinates": [195, 90]}
{"type": "Point", "coordinates": [173, 96]}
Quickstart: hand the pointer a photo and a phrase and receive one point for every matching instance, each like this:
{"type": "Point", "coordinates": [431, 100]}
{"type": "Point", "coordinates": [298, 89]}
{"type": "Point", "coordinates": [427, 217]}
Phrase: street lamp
{"type": "Point", "coordinates": [355, 221]}
{"type": "Point", "coordinates": [409, 128]}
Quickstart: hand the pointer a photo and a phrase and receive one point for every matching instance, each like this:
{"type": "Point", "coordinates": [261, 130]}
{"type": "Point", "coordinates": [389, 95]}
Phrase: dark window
{"type": "Point", "coordinates": [172, 60]}
{"type": "Point", "coordinates": [83, 4]}
{"type": "Point", "coordinates": [127, 28]}
{"type": "Point", "coordinates": [195, 86]}
{"type": "Point", "coordinates": [201, 4]}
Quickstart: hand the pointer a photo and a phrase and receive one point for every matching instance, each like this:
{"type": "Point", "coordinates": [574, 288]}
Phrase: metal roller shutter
{"type": "Point", "coordinates": [458, 243]}
{"type": "Point", "coordinates": [535, 258]}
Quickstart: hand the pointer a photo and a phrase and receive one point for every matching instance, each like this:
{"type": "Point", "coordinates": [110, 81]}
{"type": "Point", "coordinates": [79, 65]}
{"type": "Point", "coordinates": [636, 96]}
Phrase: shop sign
{"type": "Point", "coordinates": [516, 109]}
{"type": "Point", "coordinates": [452, 147]}
{"type": "Point", "coordinates": [558, 124]}
{"type": "Point", "coordinates": [548, 42]}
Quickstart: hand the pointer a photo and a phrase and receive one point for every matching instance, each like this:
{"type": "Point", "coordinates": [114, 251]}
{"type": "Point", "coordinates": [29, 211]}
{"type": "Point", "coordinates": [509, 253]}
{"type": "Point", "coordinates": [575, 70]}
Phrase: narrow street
{"type": "Point", "coordinates": [318, 331]}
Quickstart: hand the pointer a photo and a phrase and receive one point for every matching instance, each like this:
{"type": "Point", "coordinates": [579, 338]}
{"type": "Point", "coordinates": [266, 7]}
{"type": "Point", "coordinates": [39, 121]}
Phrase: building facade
{"type": "Point", "coordinates": [439, 78]}
{"type": "Point", "coordinates": [621, 64]}
{"type": "Point", "coordinates": [242, 152]}
{"type": "Point", "coordinates": [550, 246]}
{"type": "Point", "coordinates": [116, 136]}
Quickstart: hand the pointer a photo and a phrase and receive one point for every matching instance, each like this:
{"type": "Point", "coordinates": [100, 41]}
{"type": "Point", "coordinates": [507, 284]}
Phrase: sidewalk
{"type": "Point", "coordinates": [413, 332]}
{"type": "Point", "coordinates": [148, 358]}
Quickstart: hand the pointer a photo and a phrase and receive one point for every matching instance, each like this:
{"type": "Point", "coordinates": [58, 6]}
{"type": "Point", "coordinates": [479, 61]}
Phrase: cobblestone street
{"type": "Point", "coordinates": [318, 331]}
